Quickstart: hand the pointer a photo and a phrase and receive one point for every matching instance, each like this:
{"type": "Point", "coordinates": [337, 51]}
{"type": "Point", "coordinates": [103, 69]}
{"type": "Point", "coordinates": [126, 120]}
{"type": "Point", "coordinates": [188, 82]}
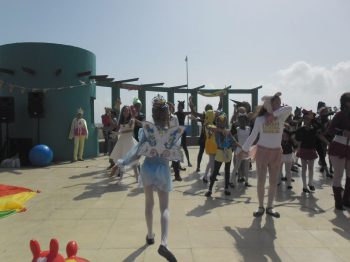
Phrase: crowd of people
{"type": "Point", "coordinates": [271, 136]}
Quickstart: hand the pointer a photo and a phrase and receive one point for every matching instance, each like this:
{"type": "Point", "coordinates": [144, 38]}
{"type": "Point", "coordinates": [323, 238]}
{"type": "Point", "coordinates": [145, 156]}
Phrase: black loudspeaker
{"type": "Point", "coordinates": [36, 104]}
{"type": "Point", "coordinates": [7, 109]}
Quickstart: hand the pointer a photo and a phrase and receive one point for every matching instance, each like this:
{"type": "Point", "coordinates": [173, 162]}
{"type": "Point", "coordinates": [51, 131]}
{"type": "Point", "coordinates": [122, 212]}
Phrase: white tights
{"type": "Point", "coordinates": [210, 166]}
{"type": "Point", "coordinates": [164, 213]}
{"type": "Point", "coordinates": [307, 164]}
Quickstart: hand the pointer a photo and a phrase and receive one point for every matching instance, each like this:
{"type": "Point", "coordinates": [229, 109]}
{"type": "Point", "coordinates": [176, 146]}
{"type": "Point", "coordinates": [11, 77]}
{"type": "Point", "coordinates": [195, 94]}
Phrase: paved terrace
{"type": "Point", "coordinates": [106, 217]}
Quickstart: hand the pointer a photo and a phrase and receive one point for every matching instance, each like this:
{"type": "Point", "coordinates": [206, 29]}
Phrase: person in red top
{"type": "Point", "coordinates": [339, 152]}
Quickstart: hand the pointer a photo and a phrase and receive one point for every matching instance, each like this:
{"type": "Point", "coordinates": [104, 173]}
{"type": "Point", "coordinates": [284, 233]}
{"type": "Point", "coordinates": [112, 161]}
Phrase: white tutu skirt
{"type": "Point", "coordinates": [155, 172]}
{"type": "Point", "coordinates": [123, 146]}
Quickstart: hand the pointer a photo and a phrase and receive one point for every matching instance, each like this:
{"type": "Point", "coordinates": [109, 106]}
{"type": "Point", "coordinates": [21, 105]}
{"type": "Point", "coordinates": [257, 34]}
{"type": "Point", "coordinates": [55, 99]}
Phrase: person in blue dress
{"type": "Point", "coordinates": [158, 145]}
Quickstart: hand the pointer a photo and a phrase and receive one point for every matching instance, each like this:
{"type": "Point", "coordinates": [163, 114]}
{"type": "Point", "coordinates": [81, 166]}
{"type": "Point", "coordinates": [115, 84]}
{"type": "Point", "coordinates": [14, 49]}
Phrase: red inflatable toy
{"type": "Point", "coordinates": [52, 255]}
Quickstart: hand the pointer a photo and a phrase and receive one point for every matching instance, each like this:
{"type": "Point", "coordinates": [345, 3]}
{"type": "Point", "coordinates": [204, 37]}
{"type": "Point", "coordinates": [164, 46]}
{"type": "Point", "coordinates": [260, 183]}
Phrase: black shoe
{"type": "Point", "coordinates": [289, 187]}
{"type": "Point", "coordinates": [232, 185]}
{"type": "Point", "coordinates": [294, 169]}
{"type": "Point", "coordinates": [259, 212]}
{"type": "Point", "coordinates": [208, 194]}
{"type": "Point", "coordinates": [331, 171]}
{"type": "Point", "coordinates": [240, 180]}
{"type": "Point", "coordinates": [205, 180]}
{"type": "Point", "coordinates": [329, 175]}
{"type": "Point", "coordinates": [198, 169]}
{"type": "Point", "coordinates": [305, 190]}
{"type": "Point", "coordinates": [227, 193]}
{"type": "Point", "coordinates": [189, 165]}
{"type": "Point", "coordinates": [247, 184]}
{"type": "Point", "coordinates": [292, 180]}
{"type": "Point", "coordinates": [178, 178]}
{"type": "Point", "coordinates": [312, 188]}
{"type": "Point", "coordinates": [182, 168]}
{"type": "Point", "coordinates": [321, 169]}
{"type": "Point", "coordinates": [164, 252]}
{"type": "Point", "coordinates": [272, 213]}
{"type": "Point", "coordinates": [340, 207]}
{"type": "Point", "coordinates": [149, 241]}
{"type": "Point", "coordinates": [284, 178]}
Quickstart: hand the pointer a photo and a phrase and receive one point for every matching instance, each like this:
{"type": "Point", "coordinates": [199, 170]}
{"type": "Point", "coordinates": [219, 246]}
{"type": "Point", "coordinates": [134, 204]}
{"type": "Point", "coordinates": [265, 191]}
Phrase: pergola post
{"type": "Point", "coordinates": [194, 125]}
{"type": "Point", "coordinates": [225, 106]}
{"type": "Point", "coordinates": [171, 96]}
{"type": "Point", "coordinates": [142, 97]}
{"type": "Point", "coordinates": [115, 95]}
{"type": "Point", "coordinates": [254, 98]}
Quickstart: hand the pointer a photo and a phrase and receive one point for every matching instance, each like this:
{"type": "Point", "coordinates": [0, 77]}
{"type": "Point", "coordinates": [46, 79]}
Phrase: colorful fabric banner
{"type": "Point", "coordinates": [12, 199]}
{"type": "Point", "coordinates": [213, 94]}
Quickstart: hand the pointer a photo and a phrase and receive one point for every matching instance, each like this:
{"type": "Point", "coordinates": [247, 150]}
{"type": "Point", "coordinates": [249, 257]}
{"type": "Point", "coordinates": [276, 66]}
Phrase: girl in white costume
{"type": "Point", "coordinates": [126, 141]}
{"type": "Point", "coordinates": [242, 134]}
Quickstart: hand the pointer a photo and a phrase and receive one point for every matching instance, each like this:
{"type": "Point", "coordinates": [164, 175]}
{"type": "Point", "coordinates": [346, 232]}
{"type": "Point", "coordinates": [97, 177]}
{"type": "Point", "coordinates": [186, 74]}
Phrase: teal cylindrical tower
{"type": "Point", "coordinates": [50, 68]}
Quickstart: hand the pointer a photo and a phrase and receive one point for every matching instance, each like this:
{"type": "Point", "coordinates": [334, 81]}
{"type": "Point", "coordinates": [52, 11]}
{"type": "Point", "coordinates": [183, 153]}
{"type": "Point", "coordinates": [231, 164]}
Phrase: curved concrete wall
{"type": "Point", "coordinates": [60, 105]}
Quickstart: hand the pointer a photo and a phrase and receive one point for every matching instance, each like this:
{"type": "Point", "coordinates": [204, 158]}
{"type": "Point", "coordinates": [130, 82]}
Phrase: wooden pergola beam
{"type": "Point", "coordinates": [173, 88]}
{"type": "Point", "coordinates": [152, 85]}
{"type": "Point", "coordinates": [98, 77]}
{"type": "Point", "coordinates": [197, 88]}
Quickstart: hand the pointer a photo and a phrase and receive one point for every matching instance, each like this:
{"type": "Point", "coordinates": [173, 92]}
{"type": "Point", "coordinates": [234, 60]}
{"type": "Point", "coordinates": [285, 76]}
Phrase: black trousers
{"type": "Point", "coordinates": [201, 142]}
{"type": "Point", "coordinates": [321, 149]}
{"type": "Point", "coordinates": [216, 170]}
{"type": "Point", "coordinates": [176, 166]}
{"type": "Point", "coordinates": [184, 145]}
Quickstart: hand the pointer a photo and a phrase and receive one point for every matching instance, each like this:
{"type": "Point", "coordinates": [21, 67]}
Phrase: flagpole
{"type": "Point", "coordinates": [186, 60]}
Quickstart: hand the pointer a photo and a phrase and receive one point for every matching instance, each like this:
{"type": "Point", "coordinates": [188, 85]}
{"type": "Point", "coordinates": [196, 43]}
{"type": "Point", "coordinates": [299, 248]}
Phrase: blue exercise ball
{"type": "Point", "coordinates": [40, 155]}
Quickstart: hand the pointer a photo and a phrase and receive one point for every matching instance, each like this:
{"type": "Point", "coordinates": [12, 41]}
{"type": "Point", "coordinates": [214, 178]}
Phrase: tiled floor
{"type": "Point", "coordinates": [106, 217]}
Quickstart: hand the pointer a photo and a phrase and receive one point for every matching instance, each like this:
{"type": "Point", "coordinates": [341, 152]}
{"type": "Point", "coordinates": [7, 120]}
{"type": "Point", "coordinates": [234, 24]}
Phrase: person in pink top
{"type": "Point", "coordinates": [79, 132]}
{"type": "Point", "coordinates": [269, 125]}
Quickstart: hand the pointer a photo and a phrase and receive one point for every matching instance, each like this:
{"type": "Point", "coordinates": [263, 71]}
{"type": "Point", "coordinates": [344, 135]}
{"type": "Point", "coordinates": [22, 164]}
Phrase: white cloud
{"type": "Point", "coordinates": [303, 84]}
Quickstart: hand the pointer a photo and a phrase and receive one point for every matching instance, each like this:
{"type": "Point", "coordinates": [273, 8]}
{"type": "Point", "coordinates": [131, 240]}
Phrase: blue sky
{"type": "Point", "coordinates": [299, 47]}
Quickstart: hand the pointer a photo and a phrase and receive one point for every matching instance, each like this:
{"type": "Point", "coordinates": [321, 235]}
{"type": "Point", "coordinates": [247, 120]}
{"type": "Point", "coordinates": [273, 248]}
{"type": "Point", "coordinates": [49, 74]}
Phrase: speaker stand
{"type": "Point", "coordinates": [38, 130]}
{"type": "Point", "coordinates": [1, 146]}
{"type": "Point", "coordinates": [4, 149]}
{"type": "Point", "coordinates": [7, 140]}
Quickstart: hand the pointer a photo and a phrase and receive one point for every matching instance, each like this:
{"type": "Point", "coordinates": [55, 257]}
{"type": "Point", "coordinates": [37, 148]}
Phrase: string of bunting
{"type": "Point", "coordinates": [11, 87]}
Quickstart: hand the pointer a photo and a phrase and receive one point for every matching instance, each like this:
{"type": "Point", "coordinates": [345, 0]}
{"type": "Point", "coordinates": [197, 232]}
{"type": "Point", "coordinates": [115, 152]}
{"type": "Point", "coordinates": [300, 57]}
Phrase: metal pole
{"type": "Point", "coordinates": [188, 121]}
{"type": "Point", "coordinates": [38, 131]}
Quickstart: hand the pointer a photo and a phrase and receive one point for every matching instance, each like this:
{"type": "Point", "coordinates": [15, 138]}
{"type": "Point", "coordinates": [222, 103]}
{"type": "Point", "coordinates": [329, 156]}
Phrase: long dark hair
{"type": "Point", "coordinates": [343, 100]}
{"type": "Point", "coordinates": [260, 111]}
{"type": "Point", "coordinates": [161, 116]}
{"type": "Point", "coordinates": [122, 119]}
{"type": "Point", "coordinates": [160, 111]}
